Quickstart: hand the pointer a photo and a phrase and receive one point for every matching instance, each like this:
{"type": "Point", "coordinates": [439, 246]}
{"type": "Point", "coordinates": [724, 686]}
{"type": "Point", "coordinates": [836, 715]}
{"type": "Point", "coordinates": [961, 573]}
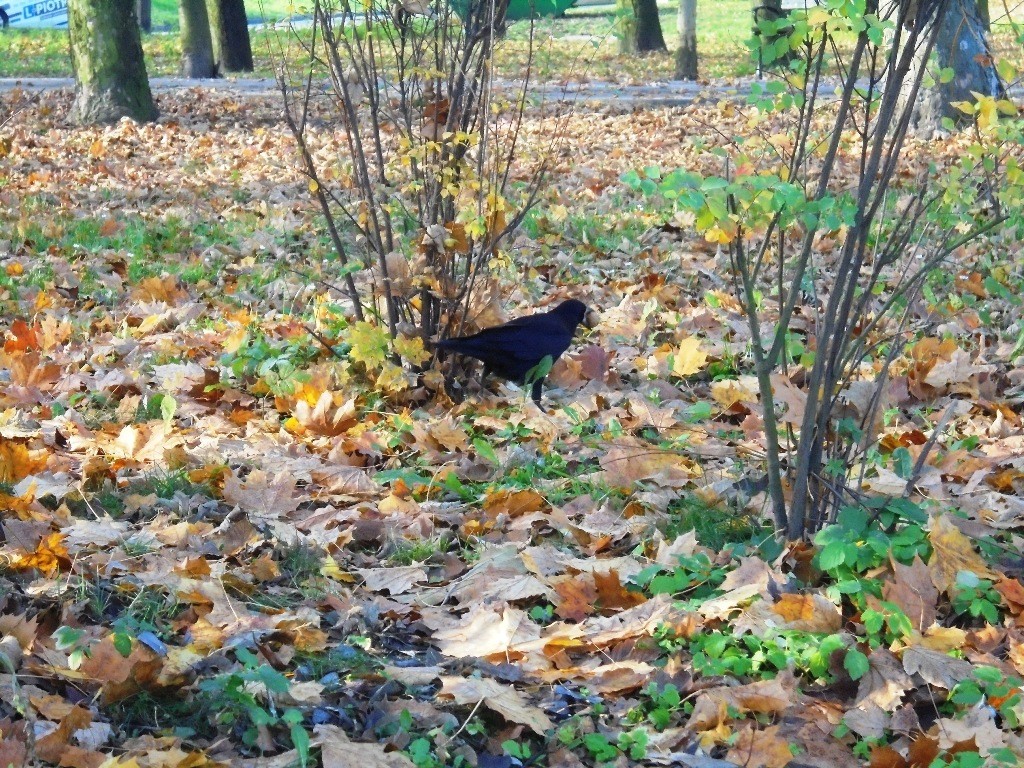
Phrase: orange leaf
{"type": "Point", "coordinates": [577, 598]}
{"type": "Point", "coordinates": [514, 503]}
{"type": "Point", "coordinates": [611, 593]}
{"type": "Point", "coordinates": [21, 337]}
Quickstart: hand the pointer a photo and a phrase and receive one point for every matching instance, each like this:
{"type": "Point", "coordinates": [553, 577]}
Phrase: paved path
{"type": "Point", "coordinates": [663, 94]}
{"type": "Point", "coordinates": [675, 93]}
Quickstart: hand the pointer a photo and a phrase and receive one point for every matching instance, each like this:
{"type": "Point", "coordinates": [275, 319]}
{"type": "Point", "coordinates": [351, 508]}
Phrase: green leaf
{"type": "Point", "coordinates": [832, 556]}
{"type": "Point", "coordinates": [168, 405]}
{"type": "Point", "coordinates": [485, 450]}
{"type": "Point", "coordinates": [300, 740]}
{"type": "Point", "coordinates": [123, 643]}
{"type": "Point", "coordinates": [540, 370]}
{"type": "Point", "coordinates": [988, 674]}
{"type": "Point", "coordinates": [66, 637]}
{"type": "Point", "coordinates": [699, 411]}
{"type": "Point", "coordinates": [856, 663]}
{"type": "Point", "coordinates": [631, 179]}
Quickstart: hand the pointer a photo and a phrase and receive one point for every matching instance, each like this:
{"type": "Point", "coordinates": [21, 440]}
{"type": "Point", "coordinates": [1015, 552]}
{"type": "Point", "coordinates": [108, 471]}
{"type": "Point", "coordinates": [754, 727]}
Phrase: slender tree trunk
{"type": "Point", "coordinates": [229, 24]}
{"type": "Point", "coordinates": [686, 56]}
{"type": "Point", "coordinates": [770, 10]}
{"type": "Point", "coordinates": [144, 10]}
{"type": "Point", "coordinates": [106, 55]}
{"type": "Point", "coordinates": [961, 46]}
{"type": "Point", "coordinates": [196, 42]}
{"type": "Point", "coordinates": [647, 32]}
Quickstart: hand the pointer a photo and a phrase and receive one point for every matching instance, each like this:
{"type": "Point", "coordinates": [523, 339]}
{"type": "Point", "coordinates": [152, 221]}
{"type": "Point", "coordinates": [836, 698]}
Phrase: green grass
{"type": "Point", "coordinates": [165, 12]}
{"type": "Point", "coordinates": [583, 44]}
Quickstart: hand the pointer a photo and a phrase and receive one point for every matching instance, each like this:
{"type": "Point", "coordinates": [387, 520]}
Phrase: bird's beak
{"type": "Point", "coordinates": [592, 318]}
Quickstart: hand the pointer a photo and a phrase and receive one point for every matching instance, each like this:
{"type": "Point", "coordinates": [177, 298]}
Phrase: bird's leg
{"type": "Point", "coordinates": [535, 392]}
{"type": "Point", "coordinates": [487, 371]}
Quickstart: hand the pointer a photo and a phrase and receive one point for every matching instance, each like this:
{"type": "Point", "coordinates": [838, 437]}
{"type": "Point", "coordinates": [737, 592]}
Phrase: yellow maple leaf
{"type": "Point", "coordinates": [411, 349]}
{"type": "Point", "coordinates": [689, 358]}
{"type": "Point", "coordinates": [391, 378]}
{"type": "Point", "coordinates": [49, 554]}
{"type": "Point", "coordinates": [718, 235]}
{"type": "Point", "coordinates": [369, 344]}
{"type": "Point", "coordinates": [18, 462]}
{"type": "Point", "coordinates": [952, 552]}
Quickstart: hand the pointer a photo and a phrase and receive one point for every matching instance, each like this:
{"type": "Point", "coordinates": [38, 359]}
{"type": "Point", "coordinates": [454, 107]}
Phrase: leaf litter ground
{"type": "Point", "coordinates": [221, 548]}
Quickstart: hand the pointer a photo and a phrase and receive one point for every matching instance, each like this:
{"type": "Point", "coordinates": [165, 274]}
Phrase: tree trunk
{"type": "Point", "coordinates": [106, 55]}
{"type": "Point", "coordinates": [986, 17]}
{"type": "Point", "coordinates": [647, 27]}
{"type": "Point", "coordinates": [686, 56]}
{"type": "Point", "coordinates": [144, 10]}
{"type": "Point", "coordinates": [962, 46]}
{"type": "Point", "coordinates": [196, 42]}
{"type": "Point", "coordinates": [230, 27]}
{"type": "Point", "coordinates": [767, 57]}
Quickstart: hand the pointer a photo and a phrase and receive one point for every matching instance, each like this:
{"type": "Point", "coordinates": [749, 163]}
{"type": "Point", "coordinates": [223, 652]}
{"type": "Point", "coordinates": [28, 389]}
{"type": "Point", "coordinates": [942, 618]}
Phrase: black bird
{"type": "Point", "coordinates": [514, 350]}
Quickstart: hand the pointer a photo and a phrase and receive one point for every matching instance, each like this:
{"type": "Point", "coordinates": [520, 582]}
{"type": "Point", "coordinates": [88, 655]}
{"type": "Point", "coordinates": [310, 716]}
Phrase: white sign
{"type": "Point", "coordinates": [36, 13]}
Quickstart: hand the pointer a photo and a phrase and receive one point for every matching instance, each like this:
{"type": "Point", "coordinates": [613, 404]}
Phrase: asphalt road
{"type": "Point", "coordinates": [664, 94]}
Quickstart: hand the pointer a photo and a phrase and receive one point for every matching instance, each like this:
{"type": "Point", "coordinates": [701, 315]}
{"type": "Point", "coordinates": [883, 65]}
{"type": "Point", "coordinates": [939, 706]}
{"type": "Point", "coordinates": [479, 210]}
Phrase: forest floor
{"type": "Point", "coordinates": [227, 546]}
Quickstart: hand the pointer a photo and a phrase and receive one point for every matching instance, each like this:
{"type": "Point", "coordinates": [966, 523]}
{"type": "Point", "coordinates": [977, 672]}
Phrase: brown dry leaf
{"type": "Point", "coordinates": [724, 606]}
{"type": "Point", "coordinates": [884, 683]}
{"type": "Point", "coordinates": [485, 632]}
{"type": "Point", "coordinates": [937, 668]}
{"type": "Point", "coordinates": [763, 697]}
{"type": "Point", "coordinates": [576, 597]}
{"type": "Point", "coordinates": [337, 751]}
{"type": "Point", "coordinates": [811, 612]}
{"type": "Point", "coordinates": [1012, 592]}
{"type": "Point", "coordinates": [53, 745]}
{"type": "Point", "coordinates": [120, 677]}
{"type": "Point", "coordinates": [913, 591]}
{"type": "Point", "coordinates": [630, 460]}
{"type": "Point", "coordinates": [13, 751]}
{"type": "Point", "coordinates": [868, 720]}
{"type": "Point", "coordinates": [503, 699]}
{"type": "Point", "coordinates": [760, 749]}
{"type": "Point", "coordinates": [943, 639]}
{"type": "Point", "coordinates": [784, 392]}
{"type": "Point", "coordinates": [976, 725]}
{"type": "Point", "coordinates": [394, 581]}
{"type": "Point", "coordinates": [264, 568]}
{"type": "Point", "coordinates": [331, 415]}
{"type": "Point", "coordinates": [669, 553]}
{"type": "Point", "coordinates": [449, 434]}
{"type": "Point", "coordinates": [955, 370]}
{"type": "Point", "coordinates": [263, 496]}
{"type": "Point", "coordinates": [618, 677]}
{"type": "Point", "coordinates": [887, 757]}
{"type": "Point", "coordinates": [923, 750]}
{"type": "Point", "coordinates": [514, 503]}
{"type": "Point", "coordinates": [952, 552]}
{"type": "Point", "coordinates": [611, 594]}
{"type": "Point", "coordinates": [163, 289]}
{"type": "Point", "coordinates": [146, 443]}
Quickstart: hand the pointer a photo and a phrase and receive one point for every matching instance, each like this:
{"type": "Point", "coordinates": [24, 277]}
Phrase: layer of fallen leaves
{"type": "Point", "coordinates": [435, 581]}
